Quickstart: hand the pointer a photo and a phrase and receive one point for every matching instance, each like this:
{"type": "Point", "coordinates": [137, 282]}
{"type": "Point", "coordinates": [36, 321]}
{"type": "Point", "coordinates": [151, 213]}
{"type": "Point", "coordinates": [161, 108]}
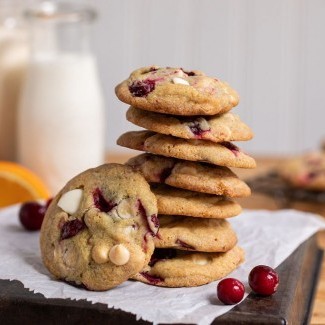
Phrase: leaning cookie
{"type": "Point", "coordinates": [175, 91]}
{"type": "Point", "coordinates": [216, 128]}
{"type": "Point", "coordinates": [193, 176]}
{"type": "Point", "coordinates": [174, 268]}
{"type": "Point", "coordinates": [222, 154]}
{"type": "Point", "coordinates": [98, 231]}
{"type": "Point", "coordinates": [173, 201]}
{"type": "Point", "coordinates": [195, 234]}
{"type": "Point", "coordinates": [306, 171]}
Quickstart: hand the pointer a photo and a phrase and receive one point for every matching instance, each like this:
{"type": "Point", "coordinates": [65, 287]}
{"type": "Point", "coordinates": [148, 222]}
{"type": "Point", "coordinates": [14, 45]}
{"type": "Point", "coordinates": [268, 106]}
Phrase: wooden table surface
{"type": "Point", "coordinates": [259, 201]}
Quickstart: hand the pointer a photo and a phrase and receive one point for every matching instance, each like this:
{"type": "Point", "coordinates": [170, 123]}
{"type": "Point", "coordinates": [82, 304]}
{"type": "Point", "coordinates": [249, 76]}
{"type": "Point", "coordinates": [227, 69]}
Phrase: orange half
{"type": "Point", "coordinates": [19, 184]}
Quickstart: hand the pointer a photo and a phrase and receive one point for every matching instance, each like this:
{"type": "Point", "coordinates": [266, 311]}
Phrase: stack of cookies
{"type": "Point", "coordinates": [187, 154]}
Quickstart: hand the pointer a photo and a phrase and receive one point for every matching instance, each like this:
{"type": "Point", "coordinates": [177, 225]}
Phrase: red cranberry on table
{"type": "Point", "coordinates": [230, 291]}
{"type": "Point", "coordinates": [263, 280]}
{"type": "Point", "coordinates": [31, 214]}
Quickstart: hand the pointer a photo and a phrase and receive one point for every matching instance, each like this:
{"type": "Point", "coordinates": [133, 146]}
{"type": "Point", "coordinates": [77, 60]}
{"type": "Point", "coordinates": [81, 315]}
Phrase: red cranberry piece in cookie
{"type": "Point", "coordinates": [101, 203]}
{"type": "Point", "coordinates": [72, 228]}
{"type": "Point", "coordinates": [199, 126]}
{"type": "Point", "coordinates": [306, 178]}
{"type": "Point", "coordinates": [263, 280]}
{"type": "Point", "coordinates": [234, 149]}
{"type": "Point", "coordinates": [230, 291]}
{"type": "Point", "coordinates": [152, 221]}
{"type": "Point", "coordinates": [189, 73]}
{"type": "Point", "coordinates": [153, 69]}
{"type": "Point", "coordinates": [181, 243]}
{"type": "Point", "coordinates": [141, 88]}
{"type": "Point", "coordinates": [31, 215]}
{"type": "Point", "coordinates": [151, 279]}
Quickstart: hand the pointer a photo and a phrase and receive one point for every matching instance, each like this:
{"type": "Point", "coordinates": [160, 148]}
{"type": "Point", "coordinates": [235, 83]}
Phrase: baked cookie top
{"type": "Point", "coordinates": [216, 128]}
{"type": "Point", "coordinates": [194, 176]}
{"type": "Point", "coordinates": [174, 201]}
{"type": "Point", "coordinates": [195, 234]}
{"type": "Point", "coordinates": [222, 154]}
{"type": "Point", "coordinates": [307, 171]}
{"type": "Point", "coordinates": [176, 91]}
{"type": "Point", "coordinates": [98, 230]}
{"type": "Point", "coordinates": [175, 268]}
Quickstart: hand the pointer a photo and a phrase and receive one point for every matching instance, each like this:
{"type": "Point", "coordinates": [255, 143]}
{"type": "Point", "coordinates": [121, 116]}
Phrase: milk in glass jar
{"type": "Point", "coordinates": [13, 58]}
{"type": "Point", "coordinates": [61, 117]}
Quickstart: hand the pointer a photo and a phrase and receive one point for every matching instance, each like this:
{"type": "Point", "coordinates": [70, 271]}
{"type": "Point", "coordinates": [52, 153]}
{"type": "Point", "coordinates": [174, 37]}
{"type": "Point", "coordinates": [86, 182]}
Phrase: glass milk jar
{"type": "Point", "coordinates": [61, 117]}
{"type": "Point", "coordinates": [13, 58]}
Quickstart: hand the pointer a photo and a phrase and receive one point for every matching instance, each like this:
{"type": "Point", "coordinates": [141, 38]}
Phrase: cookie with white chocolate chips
{"type": "Point", "coordinates": [193, 176]}
{"type": "Point", "coordinates": [306, 171]}
{"type": "Point", "coordinates": [175, 268]}
{"type": "Point", "coordinates": [194, 234]}
{"type": "Point", "coordinates": [216, 128]}
{"type": "Point", "coordinates": [99, 229]}
{"type": "Point", "coordinates": [175, 201]}
{"type": "Point", "coordinates": [176, 91]}
{"type": "Point", "coordinates": [222, 154]}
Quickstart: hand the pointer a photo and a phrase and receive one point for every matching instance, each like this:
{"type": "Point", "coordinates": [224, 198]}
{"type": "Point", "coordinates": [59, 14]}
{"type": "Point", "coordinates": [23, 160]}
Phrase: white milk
{"type": "Point", "coordinates": [61, 120]}
{"type": "Point", "coordinates": [13, 58]}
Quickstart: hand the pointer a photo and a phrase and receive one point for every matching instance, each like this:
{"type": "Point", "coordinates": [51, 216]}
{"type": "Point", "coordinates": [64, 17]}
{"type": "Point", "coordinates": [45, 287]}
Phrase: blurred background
{"type": "Point", "coordinates": [52, 118]}
{"type": "Point", "coordinates": [271, 52]}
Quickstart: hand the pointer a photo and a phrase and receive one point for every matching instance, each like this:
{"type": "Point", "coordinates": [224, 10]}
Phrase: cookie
{"type": "Point", "coordinates": [223, 153]}
{"type": "Point", "coordinates": [174, 268]}
{"type": "Point", "coordinates": [98, 230]}
{"type": "Point", "coordinates": [194, 234]}
{"type": "Point", "coordinates": [216, 128]}
{"type": "Point", "coordinates": [175, 91]}
{"type": "Point", "coordinates": [194, 176]}
{"type": "Point", "coordinates": [307, 171]}
{"type": "Point", "coordinates": [173, 201]}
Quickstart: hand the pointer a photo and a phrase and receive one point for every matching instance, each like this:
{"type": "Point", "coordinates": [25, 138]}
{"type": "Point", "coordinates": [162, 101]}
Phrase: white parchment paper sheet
{"type": "Point", "coordinates": [267, 237]}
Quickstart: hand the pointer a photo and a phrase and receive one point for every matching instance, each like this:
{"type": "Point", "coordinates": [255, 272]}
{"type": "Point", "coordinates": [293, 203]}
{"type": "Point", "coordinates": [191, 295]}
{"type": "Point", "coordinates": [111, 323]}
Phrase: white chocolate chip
{"type": "Point", "coordinates": [119, 254]}
{"type": "Point", "coordinates": [181, 81]}
{"type": "Point", "coordinates": [200, 261]}
{"type": "Point", "coordinates": [204, 125]}
{"type": "Point", "coordinates": [125, 209]}
{"type": "Point", "coordinates": [99, 254]}
{"type": "Point", "coordinates": [129, 230]}
{"type": "Point", "coordinates": [70, 201]}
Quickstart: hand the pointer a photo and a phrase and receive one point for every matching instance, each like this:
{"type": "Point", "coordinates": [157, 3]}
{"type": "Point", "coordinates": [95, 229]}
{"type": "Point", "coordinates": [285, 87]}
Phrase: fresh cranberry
{"type": "Point", "coordinates": [101, 203]}
{"type": "Point", "coordinates": [141, 88]}
{"type": "Point", "coordinates": [230, 291]}
{"type": "Point", "coordinates": [263, 280]}
{"type": "Point", "coordinates": [72, 228]}
{"type": "Point", "coordinates": [31, 215]}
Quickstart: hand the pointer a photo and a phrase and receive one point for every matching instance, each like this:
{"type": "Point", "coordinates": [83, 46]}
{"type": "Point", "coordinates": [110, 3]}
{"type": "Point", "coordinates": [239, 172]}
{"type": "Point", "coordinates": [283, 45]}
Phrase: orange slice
{"type": "Point", "coordinates": [19, 184]}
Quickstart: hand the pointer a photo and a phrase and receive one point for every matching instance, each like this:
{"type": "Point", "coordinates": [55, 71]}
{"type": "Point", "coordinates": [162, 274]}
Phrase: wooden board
{"type": "Point", "coordinates": [292, 304]}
